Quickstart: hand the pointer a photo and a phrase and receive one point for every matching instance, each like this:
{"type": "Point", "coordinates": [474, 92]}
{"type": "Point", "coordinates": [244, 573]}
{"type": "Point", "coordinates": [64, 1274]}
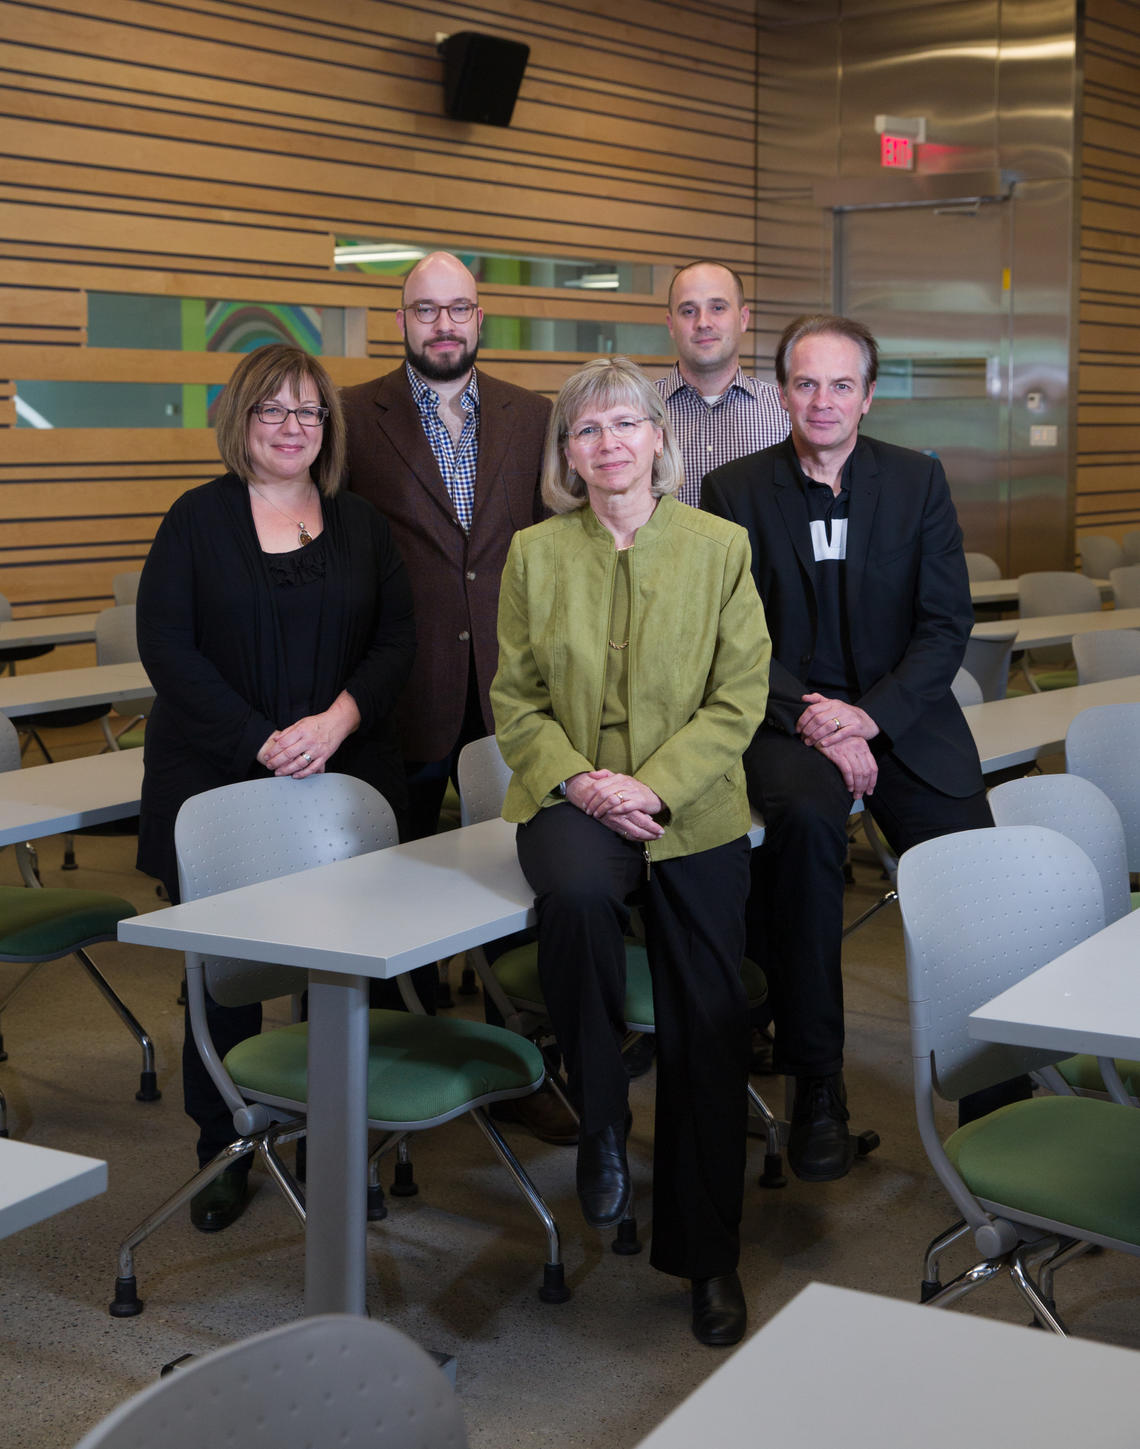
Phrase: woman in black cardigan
{"type": "Point", "coordinates": [275, 623]}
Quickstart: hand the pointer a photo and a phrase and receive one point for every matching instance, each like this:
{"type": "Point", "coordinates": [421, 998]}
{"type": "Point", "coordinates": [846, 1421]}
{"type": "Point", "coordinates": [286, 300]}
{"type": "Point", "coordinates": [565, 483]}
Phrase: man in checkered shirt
{"type": "Point", "coordinates": [718, 414]}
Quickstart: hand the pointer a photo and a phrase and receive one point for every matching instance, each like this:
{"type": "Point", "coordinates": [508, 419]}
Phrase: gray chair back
{"type": "Point", "coordinates": [115, 643]}
{"type": "Point", "coordinates": [1056, 592]}
{"type": "Point", "coordinates": [1077, 808]}
{"type": "Point", "coordinates": [483, 779]}
{"type": "Point", "coordinates": [331, 1380]}
{"type": "Point", "coordinates": [1100, 555]}
{"type": "Point", "coordinates": [1125, 583]}
{"type": "Point", "coordinates": [966, 689]}
{"type": "Point", "coordinates": [1130, 543]}
{"type": "Point", "coordinates": [9, 745]}
{"type": "Point", "coordinates": [987, 660]}
{"type": "Point", "coordinates": [125, 587]}
{"type": "Point", "coordinates": [980, 568]}
{"type": "Point", "coordinates": [981, 909]}
{"type": "Point", "coordinates": [258, 830]}
{"type": "Point", "coordinates": [1103, 745]}
{"type": "Point", "coordinates": [1107, 654]}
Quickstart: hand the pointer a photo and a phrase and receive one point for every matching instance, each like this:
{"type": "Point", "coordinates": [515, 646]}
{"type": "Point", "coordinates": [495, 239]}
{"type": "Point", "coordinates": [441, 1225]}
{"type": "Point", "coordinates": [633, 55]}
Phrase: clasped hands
{"type": "Point", "coordinates": [840, 731]}
{"type": "Point", "coordinates": [305, 747]}
{"type": "Point", "coordinates": [620, 802]}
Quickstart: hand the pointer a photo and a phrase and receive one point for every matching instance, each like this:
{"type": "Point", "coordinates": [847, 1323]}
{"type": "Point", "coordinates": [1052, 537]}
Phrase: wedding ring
{"type": "Point", "coordinates": [621, 798]}
{"type": "Point", "coordinates": [838, 726]}
{"type": "Point", "coordinates": [308, 759]}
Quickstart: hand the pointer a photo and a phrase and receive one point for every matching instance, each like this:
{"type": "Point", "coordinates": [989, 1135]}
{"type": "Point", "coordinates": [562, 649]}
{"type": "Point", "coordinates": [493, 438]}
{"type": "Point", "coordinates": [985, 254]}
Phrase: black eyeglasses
{"type": "Point", "coordinates": [308, 416]}
{"type": "Point", "coordinates": [427, 311]}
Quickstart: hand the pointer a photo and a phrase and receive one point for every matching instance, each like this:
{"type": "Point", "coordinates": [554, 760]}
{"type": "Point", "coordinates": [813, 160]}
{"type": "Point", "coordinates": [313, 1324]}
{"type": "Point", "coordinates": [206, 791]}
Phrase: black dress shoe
{"type": "Point", "coordinates": [820, 1147]}
{"type": "Point", "coordinates": [221, 1203]}
{"type": "Point", "coordinates": [604, 1188]}
{"type": "Point", "coordinates": [720, 1314]}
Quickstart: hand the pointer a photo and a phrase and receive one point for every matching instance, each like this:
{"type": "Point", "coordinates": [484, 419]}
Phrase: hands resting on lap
{"type": "Point", "coordinates": [620, 802]}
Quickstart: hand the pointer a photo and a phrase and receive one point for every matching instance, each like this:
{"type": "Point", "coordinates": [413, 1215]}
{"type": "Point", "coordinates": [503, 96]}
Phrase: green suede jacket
{"type": "Point", "coordinates": [698, 666]}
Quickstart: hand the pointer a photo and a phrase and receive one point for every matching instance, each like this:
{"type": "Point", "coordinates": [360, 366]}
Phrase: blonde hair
{"type": "Point", "coordinates": [259, 376]}
{"type": "Point", "coordinates": [607, 382]}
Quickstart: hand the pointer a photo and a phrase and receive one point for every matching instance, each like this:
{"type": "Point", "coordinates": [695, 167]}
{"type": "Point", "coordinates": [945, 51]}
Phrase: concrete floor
{"type": "Point", "coordinates": [458, 1266]}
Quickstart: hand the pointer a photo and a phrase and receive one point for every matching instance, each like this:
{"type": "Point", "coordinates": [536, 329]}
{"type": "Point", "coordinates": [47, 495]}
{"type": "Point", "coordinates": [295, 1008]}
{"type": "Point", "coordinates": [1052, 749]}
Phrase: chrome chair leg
{"type": "Point", "coordinates": [554, 1289]}
{"type": "Point", "coordinates": [930, 1281]}
{"type": "Point", "coordinates": [1044, 1312]}
{"type": "Point", "coordinates": [148, 1082]}
{"type": "Point", "coordinates": [969, 1280]}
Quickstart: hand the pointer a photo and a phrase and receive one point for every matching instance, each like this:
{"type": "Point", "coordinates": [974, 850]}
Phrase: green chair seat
{"type": "Point", "coordinates": [517, 974]}
{"type": "Point", "coordinates": [1056, 679]}
{"type": "Point", "coordinates": [1083, 1074]}
{"type": "Point", "coordinates": [1067, 1159]}
{"type": "Point", "coordinates": [38, 925]}
{"type": "Point", "coordinates": [421, 1069]}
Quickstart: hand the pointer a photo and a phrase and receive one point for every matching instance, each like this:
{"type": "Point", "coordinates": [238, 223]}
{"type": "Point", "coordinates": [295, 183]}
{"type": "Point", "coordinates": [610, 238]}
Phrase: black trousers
{"type": "Point", "coordinates": [693, 909]}
{"type": "Point", "coordinates": [795, 910]}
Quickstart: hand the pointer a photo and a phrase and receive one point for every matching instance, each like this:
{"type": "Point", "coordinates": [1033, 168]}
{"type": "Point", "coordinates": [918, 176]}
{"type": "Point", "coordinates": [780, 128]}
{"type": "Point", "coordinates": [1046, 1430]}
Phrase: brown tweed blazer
{"type": "Point", "coordinates": [454, 577]}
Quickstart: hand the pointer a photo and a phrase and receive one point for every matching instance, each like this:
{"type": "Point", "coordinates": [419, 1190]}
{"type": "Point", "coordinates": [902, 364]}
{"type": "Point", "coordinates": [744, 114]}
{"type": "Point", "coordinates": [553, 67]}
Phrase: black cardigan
{"type": "Point", "coordinates": [209, 638]}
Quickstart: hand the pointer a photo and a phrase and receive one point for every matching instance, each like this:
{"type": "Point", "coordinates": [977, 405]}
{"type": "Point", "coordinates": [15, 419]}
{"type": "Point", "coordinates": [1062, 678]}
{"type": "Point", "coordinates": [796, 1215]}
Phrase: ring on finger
{"type": "Point", "coordinates": [308, 759]}
{"type": "Point", "coordinates": [621, 798]}
{"type": "Point", "coordinates": [838, 726]}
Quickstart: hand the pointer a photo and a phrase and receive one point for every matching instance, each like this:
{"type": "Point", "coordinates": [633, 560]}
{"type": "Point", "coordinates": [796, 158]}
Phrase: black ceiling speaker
{"type": "Point", "coordinates": [481, 76]}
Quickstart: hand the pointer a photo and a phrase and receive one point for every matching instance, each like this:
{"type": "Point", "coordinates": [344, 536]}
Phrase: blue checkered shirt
{"type": "Point", "coordinates": [747, 417]}
{"type": "Point", "coordinates": [456, 464]}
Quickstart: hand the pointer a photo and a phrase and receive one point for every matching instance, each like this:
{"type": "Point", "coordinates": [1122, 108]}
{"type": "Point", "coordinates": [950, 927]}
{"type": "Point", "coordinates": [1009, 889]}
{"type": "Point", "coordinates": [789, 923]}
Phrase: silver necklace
{"type": "Point", "coordinates": [303, 534]}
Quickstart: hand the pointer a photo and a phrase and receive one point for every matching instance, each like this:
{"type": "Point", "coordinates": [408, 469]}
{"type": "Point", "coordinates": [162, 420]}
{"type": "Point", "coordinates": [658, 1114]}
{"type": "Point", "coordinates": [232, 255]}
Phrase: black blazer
{"type": "Point", "coordinates": [908, 596]}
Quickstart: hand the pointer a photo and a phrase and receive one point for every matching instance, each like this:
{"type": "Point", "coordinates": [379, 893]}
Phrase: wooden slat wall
{"type": "Point", "coordinates": [210, 148]}
{"type": "Point", "coordinates": [1108, 397]}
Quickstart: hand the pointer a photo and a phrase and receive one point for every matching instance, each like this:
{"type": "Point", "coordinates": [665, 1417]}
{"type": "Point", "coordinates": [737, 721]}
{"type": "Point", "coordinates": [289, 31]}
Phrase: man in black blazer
{"type": "Point", "coordinates": [857, 556]}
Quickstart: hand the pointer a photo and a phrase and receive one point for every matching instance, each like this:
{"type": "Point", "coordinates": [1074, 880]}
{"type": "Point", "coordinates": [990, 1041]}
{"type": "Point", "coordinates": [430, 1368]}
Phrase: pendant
{"type": "Point", "coordinates": [303, 535]}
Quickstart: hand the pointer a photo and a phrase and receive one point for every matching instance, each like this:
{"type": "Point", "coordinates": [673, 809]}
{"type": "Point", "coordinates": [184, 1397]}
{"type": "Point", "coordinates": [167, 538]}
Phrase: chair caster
{"type": "Point", "coordinates": [866, 1141]}
{"type": "Point", "coordinates": [148, 1088]}
{"type": "Point", "coordinates": [377, 1207]}
{"type": "Point", "coordinates": [468, 982]}
{"type": "Point", "coordinates": [930, 1289]}
{"type": "Point", "coordinates": [773, 1174]}
{"type": "Point", "coordinates": [554, 1289]}
{"type": "Point", "coordinates": [403, 1181]}
{"type": "Point", "coordinates": [626, 1243]}
{"type": "Point", "coordinates": [126, 1302]}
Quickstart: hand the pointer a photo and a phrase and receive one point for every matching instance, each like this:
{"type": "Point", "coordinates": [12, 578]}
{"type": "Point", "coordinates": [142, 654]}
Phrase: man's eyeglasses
{"type": "Point", "coordinates": [427, 311]}
{"type": "Point", "coordinates": [308, 416]}
{"type": "Point", "coordinates": [592, 432]}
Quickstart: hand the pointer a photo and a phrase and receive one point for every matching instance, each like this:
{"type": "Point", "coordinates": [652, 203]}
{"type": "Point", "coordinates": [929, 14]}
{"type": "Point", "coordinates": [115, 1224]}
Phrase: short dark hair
{"type": "Point", "coordinates": [813, 324]}
{"type": "Point", "coordinates": [257, 377]}
{"type": "Point", "coordinates": [688, 267]}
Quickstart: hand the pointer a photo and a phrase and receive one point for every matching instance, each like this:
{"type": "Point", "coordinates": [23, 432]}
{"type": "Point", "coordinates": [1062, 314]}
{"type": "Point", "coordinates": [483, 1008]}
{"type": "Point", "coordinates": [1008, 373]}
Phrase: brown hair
{"type": "Point", "coordinates": [812, 325]}
{"type": "Point", "coordinates": [259, 376]}
{"type": "Point", "coordinates": [607, 382]}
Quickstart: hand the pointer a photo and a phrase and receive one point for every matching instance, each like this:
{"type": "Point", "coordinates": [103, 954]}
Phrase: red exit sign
{"type": "Point", "coordinates": [896, 152]}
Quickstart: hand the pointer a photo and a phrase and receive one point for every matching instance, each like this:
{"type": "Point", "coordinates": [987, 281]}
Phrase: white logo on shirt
{"type": "Point", "coordinates": [822, 546]}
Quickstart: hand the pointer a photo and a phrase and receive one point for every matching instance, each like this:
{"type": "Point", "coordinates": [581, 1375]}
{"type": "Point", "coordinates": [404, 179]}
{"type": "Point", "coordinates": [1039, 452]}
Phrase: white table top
{"type": "Point", "coordinates": [37, 1182]}
{"type": "Point", "coordinates": [1058, 628]}
{"type": "Point", "coordinates": [1008, 591]}
{"type": "Point", "coordinates": [1087, 1000]}
{"type": "Point", "coordinates": [47, 629]}
{"type": "Point", "coordinates": [68, 688]}
{"type": "Point", "coordinates": [1015, 731]}
{"type": "Point", "coordinates": [52, 799]}
{"type": "Point", "coordinates": [898, 1374]}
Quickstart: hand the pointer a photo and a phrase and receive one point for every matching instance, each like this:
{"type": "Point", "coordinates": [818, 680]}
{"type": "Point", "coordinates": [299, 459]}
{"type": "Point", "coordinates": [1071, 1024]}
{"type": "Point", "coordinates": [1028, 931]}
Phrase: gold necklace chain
{"type": "Point", "coordinates": [303, 534]}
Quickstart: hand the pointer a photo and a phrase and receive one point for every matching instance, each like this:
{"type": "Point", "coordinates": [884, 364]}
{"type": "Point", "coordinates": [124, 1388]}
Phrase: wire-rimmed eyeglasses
{"type": "Point", "coordinates": [592, 432]}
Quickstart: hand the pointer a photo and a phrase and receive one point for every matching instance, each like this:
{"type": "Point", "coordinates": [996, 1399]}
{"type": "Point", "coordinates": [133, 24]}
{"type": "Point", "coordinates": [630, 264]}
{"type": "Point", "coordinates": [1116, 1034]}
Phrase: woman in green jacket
{"type": "Point", "coordinates": [633, 672]}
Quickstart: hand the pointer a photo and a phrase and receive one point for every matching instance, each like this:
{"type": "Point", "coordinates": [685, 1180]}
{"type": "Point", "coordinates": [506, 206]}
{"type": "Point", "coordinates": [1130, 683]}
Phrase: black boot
{"type": "Point", "coordinates": [720, 1314]}
{"type": "Point", "coordinates": [820, 1148]}
{"type": "Point", "coordinates": [604, 1188]}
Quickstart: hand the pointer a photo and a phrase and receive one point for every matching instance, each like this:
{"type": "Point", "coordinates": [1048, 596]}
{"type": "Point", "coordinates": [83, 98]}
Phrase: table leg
{"type": "Point", "coordinates": [335, 1194]}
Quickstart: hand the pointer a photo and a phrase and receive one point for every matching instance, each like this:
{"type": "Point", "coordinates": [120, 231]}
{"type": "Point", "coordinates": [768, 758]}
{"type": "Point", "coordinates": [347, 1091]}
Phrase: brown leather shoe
{"type": "Point", "coordinates": [543, 1114]}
